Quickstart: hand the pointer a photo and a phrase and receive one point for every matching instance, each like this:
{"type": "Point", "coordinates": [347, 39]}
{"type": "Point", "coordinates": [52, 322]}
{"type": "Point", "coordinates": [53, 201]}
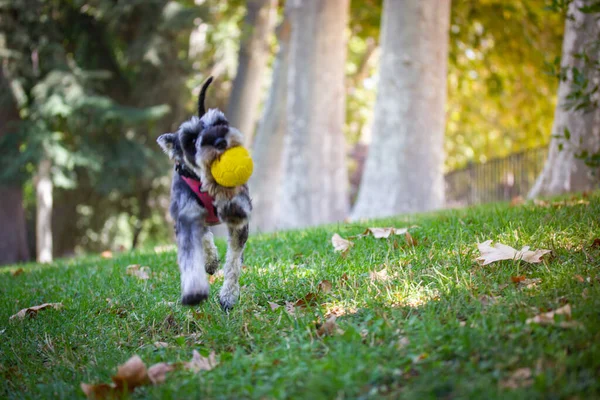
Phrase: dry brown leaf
{"type": "Point", "coordinates": [596, 244]}
{"type": "Point", "coordinates": [199, 363]}
{"type": "Point", "coordinates": [129, 376]}
{"type": "Point", "coordinates": [341, 244]}
{"type": "Point", "coordinates": [328, 328]}
{"type": "Point", "coordinates": [32, 311]}
{"type": "Point", "coordinates": [310, 298]}
{"type": "Point", "coordinates": [517, 201]}
{"type": "Point", "coordinates": [274, 306]}
{"type": "Point", "coordinates": [379, 276]}
{"type": "Point", "coordinates": [522, 377]}
{"type": "Point", "coordinates": [517, 279]}
{"type": "Point", "coordinates": [344, 278]}
{"type": "Point", "coordinates": [161, 345]}
{"type": "Point", "coordinates": [106, 254]}
{"type": "Point", "coordinates": [325, 286]}
{"type": "Point", "coordinates": [18, 272]}
{"type": "Point", "coordinates": [579, 278]}
{"type": "Point", "coordinates": [548, 317]}
{"type": "Point", "coordinates": [158, 372]}
{"type": "Point", "coordinates": [138, 271]}
{"type": "Point", "coordinates": [101, 391]}
{"type": "Point", "coordinates": [499, 251]}
{"type": "Point", "coordinates": [410, 241]}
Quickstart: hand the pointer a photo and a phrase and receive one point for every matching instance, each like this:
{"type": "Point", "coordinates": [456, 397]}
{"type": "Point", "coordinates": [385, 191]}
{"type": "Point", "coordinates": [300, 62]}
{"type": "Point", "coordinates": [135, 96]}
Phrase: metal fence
{"type": "Point", "coordinates": [495, 180]}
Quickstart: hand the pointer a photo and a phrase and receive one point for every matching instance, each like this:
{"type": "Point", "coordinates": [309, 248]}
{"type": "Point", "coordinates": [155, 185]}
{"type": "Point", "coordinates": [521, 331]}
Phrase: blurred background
{"type": "Point", "coordinates": [352, 109]}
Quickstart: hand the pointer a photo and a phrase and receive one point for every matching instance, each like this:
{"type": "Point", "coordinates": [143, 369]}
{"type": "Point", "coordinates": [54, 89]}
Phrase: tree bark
{"type": "Point", "coordinates": [404, 167]}
{"type": "Point", "coordinates": [563, 171]}
{"type": "Point", "coordinates": [265, 183]}
{"type": "Point", "coordinates": [252, 65]}
{"type": "Point", "coordinates": [315, 185]}
{"type": "Point", "coordinates": [43, 224]}
{"type": "Point", "coordinates": [13, 235]}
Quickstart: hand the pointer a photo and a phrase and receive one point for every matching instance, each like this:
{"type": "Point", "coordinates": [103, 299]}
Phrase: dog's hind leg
{"type": "Point", "coordinates": [211, 255]}
{"type": "Point", "coordinates": [190, 256]}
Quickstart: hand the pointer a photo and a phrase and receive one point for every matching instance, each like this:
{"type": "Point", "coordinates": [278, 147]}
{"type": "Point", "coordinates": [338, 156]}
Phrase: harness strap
{"type": "Point", "coordinates": [203, 197]}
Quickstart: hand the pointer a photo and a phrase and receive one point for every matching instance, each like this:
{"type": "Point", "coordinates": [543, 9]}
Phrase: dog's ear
{"type": "Point", "coordinates": [169, 144]}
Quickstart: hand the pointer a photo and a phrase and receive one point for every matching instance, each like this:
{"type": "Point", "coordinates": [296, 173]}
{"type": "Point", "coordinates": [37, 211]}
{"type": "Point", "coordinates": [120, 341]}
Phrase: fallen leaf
{"type": "Point", "coordinates": [306, 300]}
{"type": "Point", "coordinates": [517, 279]}
{"type": "Point", "coordinates": [579, 278]}
{"type": "Point", "coordinates": [32, 311]}
{"type": "Point", "coordinates": [529, 283]}
{"type": "Point", "coordinates": [158, 372]}
{"type": "Point", "coordinates": [384, 233]}
{"type": "Point", "coordinates": [274, 306]}
{"type": "Point", "coordinates": [18, 272]}
{"type": "Point", "coordinates": [596, 244]}
{"type": "Point", "coordinates": [341, 244]}
{"type": "Point", "coordinates": [499, 251]}
{"type": "Point", "coordinates": [325, 286]}
{"type": "Point", "coordinates": [106, 254]}
{"type": "Point", "coordinates": [161, 345]}
{"type": "Point", "coordinates": [328, 328]}
{"type": "Point", "coordinates": [548, 317]}
{"type": "Point", "coordinates": [540, 203]}
{"type": "Point", "coordinates": [412, 242]}
{"type": "Point", "coordinates": [522, 377]}
{"type": "Point", "coordinates": [516, 201]}
{"type": "Point", "coordinates": [344, 278]}
{"type": "Point", "coordinates": [199, 363]}
{"type": "Point", "coordinates": [129, 376]}
{"type": "Point", "coordinates": [138, 271]}
{"type": "Point", "coordinates": [379, 276]}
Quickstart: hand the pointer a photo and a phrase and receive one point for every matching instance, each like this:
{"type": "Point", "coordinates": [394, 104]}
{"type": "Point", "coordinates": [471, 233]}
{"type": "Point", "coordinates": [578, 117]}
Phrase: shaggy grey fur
{"type": "Point", "coordinates": [194, 147]}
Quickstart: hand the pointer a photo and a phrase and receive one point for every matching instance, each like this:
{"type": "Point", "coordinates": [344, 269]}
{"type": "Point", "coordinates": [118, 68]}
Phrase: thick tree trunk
{"type": "Point", "coordinates": [563, 171]}
{"type": "Point", "coordinates": [315, 185]}
{"type": "Point", "coordinates": [13, 234]}
{"type": "Point", "coordinates": [252, 65]}
{"type": "Point", "coordinates": [403, 171]}
{"type": "Point", "coordinates": [43, 225]}
{"type": "Point", "coordinates": [265, 183]}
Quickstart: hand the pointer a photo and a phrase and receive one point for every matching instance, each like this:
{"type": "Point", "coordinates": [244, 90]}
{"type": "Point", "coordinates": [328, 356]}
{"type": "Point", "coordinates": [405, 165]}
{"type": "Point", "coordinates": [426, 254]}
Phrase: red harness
{"type": "Point", "coordinates": [204, 198]}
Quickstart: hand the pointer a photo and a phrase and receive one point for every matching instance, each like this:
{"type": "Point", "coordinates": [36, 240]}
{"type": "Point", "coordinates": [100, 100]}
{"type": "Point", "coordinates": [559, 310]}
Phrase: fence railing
{"type": "Point", "coordinates": [495, 180]}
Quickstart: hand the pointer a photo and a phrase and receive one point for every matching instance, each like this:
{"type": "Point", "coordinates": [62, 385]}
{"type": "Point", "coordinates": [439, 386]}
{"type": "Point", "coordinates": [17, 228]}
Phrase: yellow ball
{"type": "Point", "coordinates": [233, 168]}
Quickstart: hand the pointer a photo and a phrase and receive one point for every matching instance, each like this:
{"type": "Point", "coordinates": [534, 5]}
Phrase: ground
{"type": "Point", "coordinates": [423, 321]}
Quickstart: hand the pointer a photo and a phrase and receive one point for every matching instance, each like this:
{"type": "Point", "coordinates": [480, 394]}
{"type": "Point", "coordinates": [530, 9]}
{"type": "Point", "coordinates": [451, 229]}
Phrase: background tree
{"type": "Point", "coordinates": [403, 170]}
{"type": "Point", "coordinates": [13, 238]}
{"type": "Point", "coordinates": [254, 52]}
{"type": "Point", "coordinates": [268, 146]}
{"type": "Point", "coordinates": [575, 147]}
{"type": "Point", "coordinates": [315, 180]}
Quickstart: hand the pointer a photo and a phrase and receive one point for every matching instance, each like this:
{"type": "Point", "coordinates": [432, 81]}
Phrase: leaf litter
{"type": "Point", "coordinates": [499, 251]}
{"type": "Point", "coordinates": [32, 311]}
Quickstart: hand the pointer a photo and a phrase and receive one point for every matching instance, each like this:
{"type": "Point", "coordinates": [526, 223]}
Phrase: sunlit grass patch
{"type": "Point", "coordinates": [416, 320]}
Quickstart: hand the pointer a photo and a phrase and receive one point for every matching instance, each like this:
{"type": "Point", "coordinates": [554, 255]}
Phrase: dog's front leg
{"type": "Point", "coordinates": [230, 292]}
{"type": "Point", "coordinates": [194, 285]}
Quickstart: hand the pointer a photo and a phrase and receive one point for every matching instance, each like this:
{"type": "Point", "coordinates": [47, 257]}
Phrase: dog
{"type": "Point", "coordinates": [198, 201]}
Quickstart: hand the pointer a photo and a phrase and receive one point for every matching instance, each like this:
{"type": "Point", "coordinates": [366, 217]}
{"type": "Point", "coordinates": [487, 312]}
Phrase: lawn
{"type": "Point", "coordinates": [422, 321]}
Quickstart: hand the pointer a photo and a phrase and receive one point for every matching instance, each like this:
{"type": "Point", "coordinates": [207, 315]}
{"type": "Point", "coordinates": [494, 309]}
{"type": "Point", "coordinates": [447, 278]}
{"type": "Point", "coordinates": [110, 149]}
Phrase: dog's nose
{"type": "Point", "coordinates": [220, 143]}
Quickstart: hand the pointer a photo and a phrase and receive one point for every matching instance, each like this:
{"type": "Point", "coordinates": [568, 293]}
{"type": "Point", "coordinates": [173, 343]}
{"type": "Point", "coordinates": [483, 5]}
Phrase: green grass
{"type": "Point", "coordinates": [430, 331]}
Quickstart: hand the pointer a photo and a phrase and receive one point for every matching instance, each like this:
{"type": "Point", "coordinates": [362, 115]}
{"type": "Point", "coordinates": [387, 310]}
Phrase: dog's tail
{"type": "Point", "coordinates": [201, 109]}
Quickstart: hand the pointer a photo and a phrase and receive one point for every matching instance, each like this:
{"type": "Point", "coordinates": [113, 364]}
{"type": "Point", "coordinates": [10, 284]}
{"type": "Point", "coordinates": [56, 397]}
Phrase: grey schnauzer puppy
{"type": "Point", "coordinates": [197, 202]}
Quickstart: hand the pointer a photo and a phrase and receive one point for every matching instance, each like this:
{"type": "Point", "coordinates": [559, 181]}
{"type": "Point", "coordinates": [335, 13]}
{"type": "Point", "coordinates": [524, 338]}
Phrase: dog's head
{"type": "Point", "coordinates": [201, 140]}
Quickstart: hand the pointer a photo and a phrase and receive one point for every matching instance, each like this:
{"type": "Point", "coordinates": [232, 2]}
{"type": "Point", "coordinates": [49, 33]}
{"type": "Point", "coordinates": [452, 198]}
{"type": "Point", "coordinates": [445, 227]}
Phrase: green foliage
{"type": "Point", "coordinates": [439, 324]}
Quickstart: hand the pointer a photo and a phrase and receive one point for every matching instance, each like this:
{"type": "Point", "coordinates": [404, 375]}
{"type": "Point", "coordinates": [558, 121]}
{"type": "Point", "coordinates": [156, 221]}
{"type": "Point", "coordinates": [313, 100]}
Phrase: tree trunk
{"type": "Point", "coordinates": [252, 65]}
{"type": "Point", "coordinates": [13, 235]}
{"type": "Point", "coordinates": [563, 171]}
{"type": "Point", "coordinates": [265, 183]}
{"type": "Point", "coordinates": [403, 171]}
{"type": "Point", "coordinates": [43, 225]}
{"type": "Point", "coordinates": [315, 184]}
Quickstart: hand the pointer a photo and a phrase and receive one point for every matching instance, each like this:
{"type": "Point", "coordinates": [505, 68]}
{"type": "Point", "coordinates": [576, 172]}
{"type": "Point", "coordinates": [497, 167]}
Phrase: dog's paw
{"type": "Point", "coordinates": [193, 299]}
{"type": "Point", "coordinates": [228, 296]}
{"type": "Point", "coordinates": [212, 266]}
